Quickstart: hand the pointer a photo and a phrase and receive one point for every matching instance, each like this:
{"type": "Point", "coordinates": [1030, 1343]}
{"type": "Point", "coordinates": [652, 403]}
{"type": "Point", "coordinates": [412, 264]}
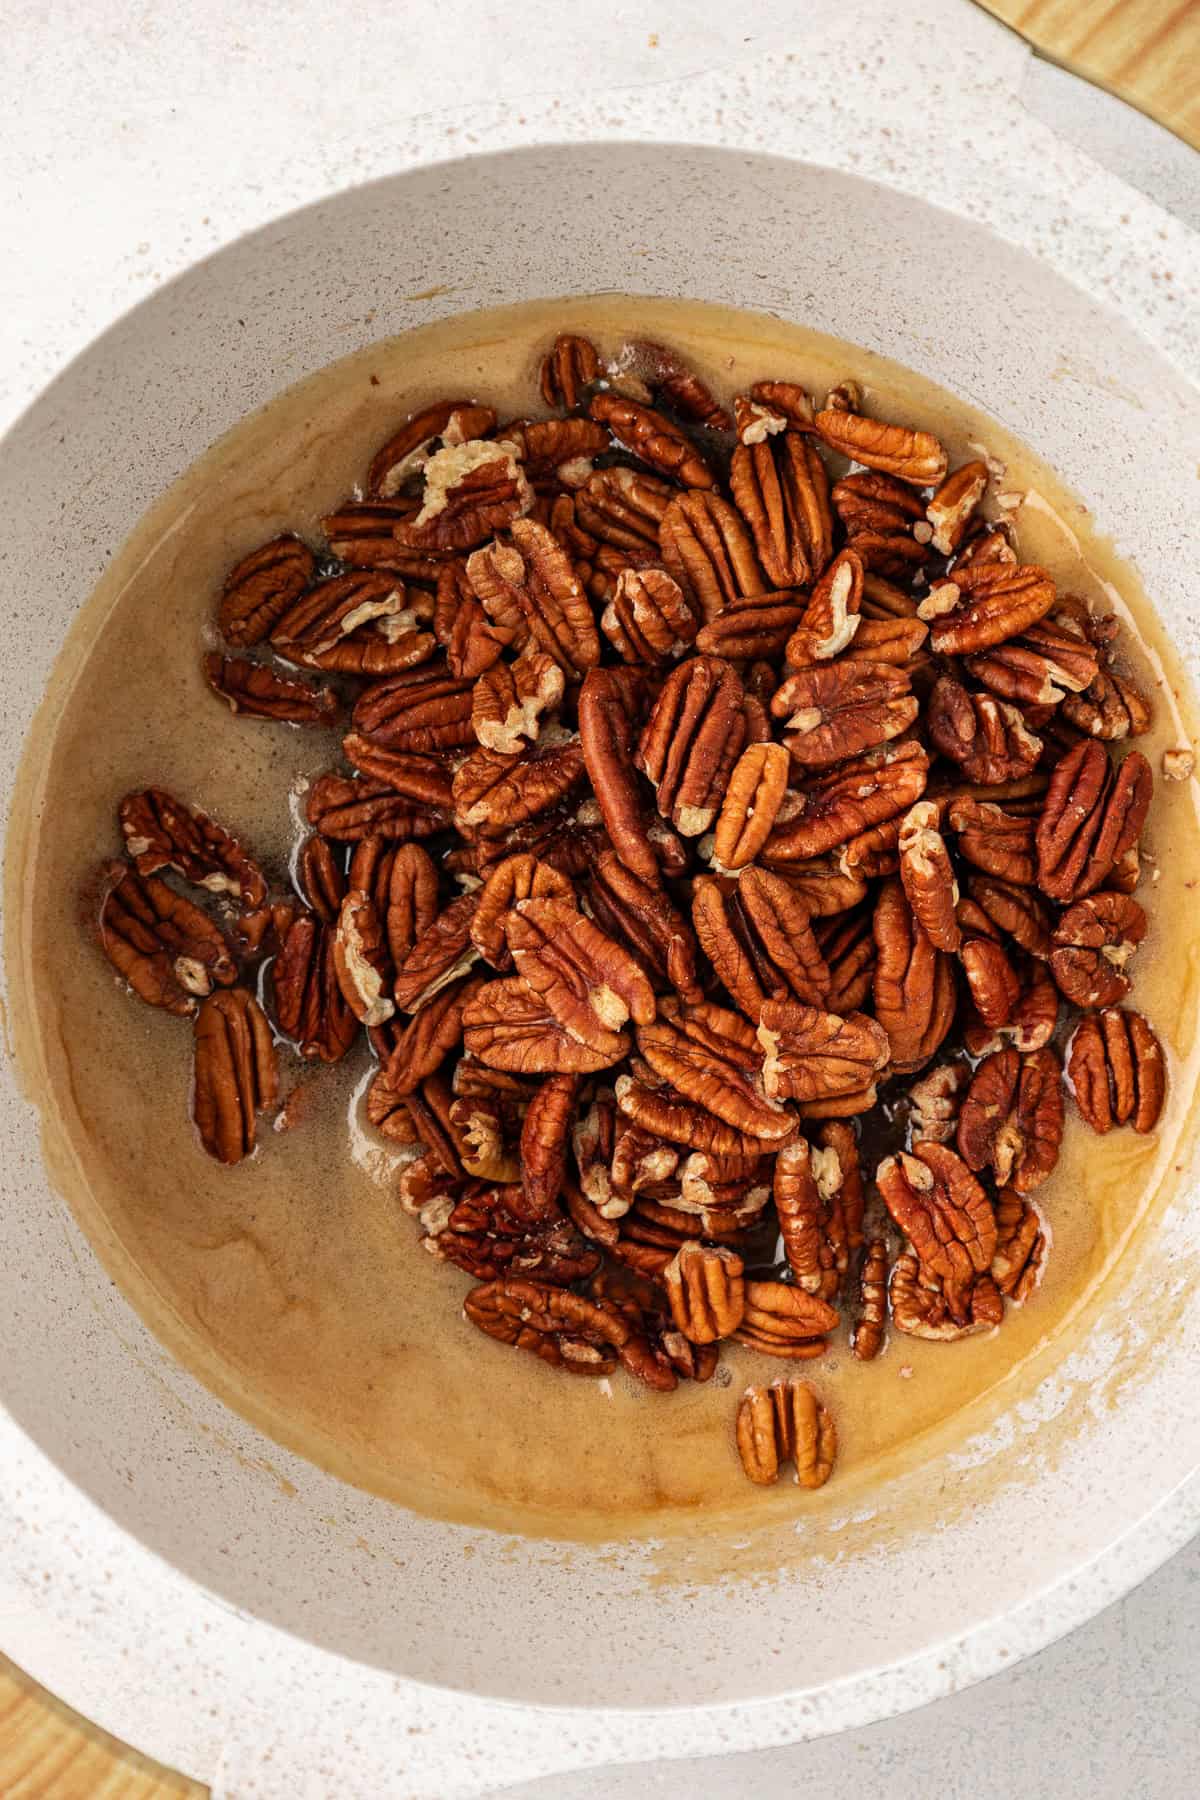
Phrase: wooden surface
{"type": "Point", "coordinates": [1148, 52]}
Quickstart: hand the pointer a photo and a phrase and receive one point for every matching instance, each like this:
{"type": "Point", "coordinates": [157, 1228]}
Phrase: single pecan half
{"type": "Point", "coordinates": [260, 589]}
{"type": "Point", "coordinates": [759, 940]}
{"type": "Point", "coordinates": [1111, 707]}
{"type": "Point", "coordinates": [994, 839]}
{"type": "Point", "coordinates": [569, 366]}
{"type": "Point", "coordinates": [591, 984]}
{"type": "Point", "coordinates": [781, 489]}
{"type": "Point", "coordinates": [986, 737]}
{"type": "Point", "coordinates": [422, 710]}
{"type": "Point", "coordinates": [363, 535]}
{"type": "Point", "coordinates": [557, 613]}
{"type": "Point", "coordinates": [486, 1236]}
{"type": "Point", "coordinates": [914, 990]}
{"type": "Point", "coordinates": [673, 382]}
{"type": "Point", "coordinates": [752, 800]}
{"type": "Point", "coordinates": [1020, 1246]}
{"type": "Point", "coordinates": [1090, 818]}
{"type": "Point", "coordinates": [545, 1139]}
{"type": "Point", "coordinates": [1012, 1118]}
{"type": "Point", "coordinates": [911, 456]}
{"type": "Point", "coordinates": [519, 877]}
{"type": "Point", "coordinates": [557, 451]}
{"type": "Point", "coordinates": [310, 1007]}
{"type": "Point", "coordinates": [785, 1423]}
{"type": "Point", "coordinates": [493, 791]}
{"type": "Point", "coordinates": [847, 944]}
{"type": "Point", "coordinates": [622, 509]}
{"type": "Point", "coordinates": [921, 1307]}
{"type": "Point", "coordinates": [409, 773]}
{"type": "Point", "coordinates": [663, 1112]}
{"type": "Point", "coordinates": [355, 624]}
{"type": "Point", "coordinates": [563, 1329]}
{"type": "Point", "coordinates": [840, 709]}
{"type": "Point", "coordinates": [1040, 667]}
{"type": "Point", "coordinates": [160, 832]}
{"type": "Point", "coordinates": [945, 1214]}
{"type": "Point", "coordinates": [1116, 1071]}
{"type": "Point", "coordinates": [952, 508]}
{"type": "Point", "coordinates": [1017, 912]}
{"type": "Point", "coordinates": [712, 1058]}
{"type": "Point", "coordinates": [509, 1027]}
{"type": "Point", "coordinates": [840, 803]}
{"type": "Point", "coordinates": [706, 548]}
{"type": "Point", "coordinates": [805, 1183]}
{"type": "Point", "coordinates": [1032, 1020]}
{"type": "Point", "coordinates": [442, 953]}
{"type": "Point", "coordinates": [934, 1102]}
{"type": "Point", "coordinates": [352, 810]}
{"type": "Point", "coordinates": [606, 729]}
{"type": "Point", "coordinates": [757, 628]}
{"type": "Point", "coordinates": [691, 741]}
{"type": "Point", "coordinates": [927, 875]}
{"type": "Point", "coordinates": [167, 950]}
{"type": "Point", "coordinates": [994, 984]}
{"type": "Point", "coordinates": [984, 604]}
{"type": "Point", "coordinates": [705, 1291]}
{"type": "Point", "coordinates": [361, 959]}
{"type": "Point", "coordinates": [652, 437]}
{"type": "Point", "coordinates": [647, 920]}
{"type": "Point", "coordinates": [256, 690]}
{"type": "Point", "coordinates": [831, 618]}
{"type": "Point", "coordinates": [235, 1075]}
{"type": "Point", "coordinates": [871, 1319]}
{"type": "Point", "coordinates": [783, 1320]}
{"type": "Point", "coordinates": [825, 888]}
{"type": "Point", "coordinates": [810, 1055]}
{"type": "Point", "coordinates": [1094, 941]}
{"type": "Point", "coordinates": [648, 620]}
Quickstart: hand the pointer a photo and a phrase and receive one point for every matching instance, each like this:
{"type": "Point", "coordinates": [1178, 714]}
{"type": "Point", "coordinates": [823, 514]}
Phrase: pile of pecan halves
{"type": "Point", "coordinates": [722, 801]}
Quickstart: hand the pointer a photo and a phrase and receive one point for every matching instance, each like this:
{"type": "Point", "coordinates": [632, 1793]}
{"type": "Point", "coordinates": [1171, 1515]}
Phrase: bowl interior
{"type": "Point", "coordinates": [1064, 1475]}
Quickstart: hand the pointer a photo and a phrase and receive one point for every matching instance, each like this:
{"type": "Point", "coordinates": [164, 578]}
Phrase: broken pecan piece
{"type": "Point", "coordinates": [952, 508]}
{"type": "Point", "coordinates": [235, 1073]}
{"type": "Point", "coordinates": [1116, 1071]}
{"type": "Point", "coordinates": [1110, 708]}
{"type": "Point", "coordinates": [160, 832]}
{"type": "Point", "coordinates": [810, 1055]}
{"type": "Point", "coordinates": [1089, 819]}
{"type": "Point", "coordinates": [871, 1321]}
{"type": "Point", "coordinates": [471, 491]}
{"type": "Point", "coordinates": [993, 982]}
{"type": "Point", "coordinates": [801, 1191]}
{"type": "Point", "coordinates": [934, 1102]}
{"type": "Point", "coordinates": [261, 588]}
{"type": "Point", "coordinates": [648, 434]}
{"type": "Point", "coordinates": [1012, 1118]}
{"type": "Point", "coordinates": [911, 456]}
{"type": "Point", "coordinates": [1020, 1246]}
{"type": "Point", "coordinates": [508, 701]}
{"type": "Point", "coordinates": [986, 737]}
{"type": "Point", "coordinates": [257, 691]}
{"type": "Point", "coordinates": [785, 1423]}
{"type": "Point", "coordinates": [488, 1237]}
{"type": "Point", "coordinates": [921, 1309]}
{"type": "Point", "coordinates": [352, 810]}
{"type": "Point", "coordinates": [405, 454]}
{"type": "Point", "coordinates": [914, 990]}
{"type": "Point", "coordinates": [167, 950]}
{"type": "Point", "coordinates": [705, 1291]}
{"type": "Point", "coordinates": [1094, 941]}
{"type": "Point", "coordinates": [927, 875]}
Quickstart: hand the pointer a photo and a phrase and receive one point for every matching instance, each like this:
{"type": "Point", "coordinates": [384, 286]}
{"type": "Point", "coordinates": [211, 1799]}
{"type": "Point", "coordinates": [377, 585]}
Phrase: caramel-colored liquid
{"type": "Point", "coordinates": [294, 1285]}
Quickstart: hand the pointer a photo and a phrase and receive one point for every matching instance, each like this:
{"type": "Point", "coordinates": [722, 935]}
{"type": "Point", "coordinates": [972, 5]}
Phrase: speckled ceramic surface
{"type": "Point", "coordinates": [149, 1530]}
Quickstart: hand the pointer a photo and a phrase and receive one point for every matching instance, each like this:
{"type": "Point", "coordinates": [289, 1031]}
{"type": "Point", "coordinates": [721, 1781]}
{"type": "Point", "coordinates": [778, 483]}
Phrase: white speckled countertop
{"type": "Point", "coordinates": [140, 138]}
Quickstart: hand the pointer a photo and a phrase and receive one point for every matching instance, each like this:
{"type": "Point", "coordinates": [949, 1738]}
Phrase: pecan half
{"type": "Point", "coordinates": [911, 456]}
{"type": "Point", "coordinates": [310, 1007]}
{"type": "Point", "coordinates": [363, 535]}
{"type": "Point", "coordinates": [810, 1055]}
{"type": "Point", "coordinates": [914, 989]}
{"type": "Point", "coordinates": [471, 491]}
{"type": "Point", "coordinates": [871, 1320]}
{"type": "Point", "coordinates": [1018, 912]}
{"type": "Point", "coordinates": [934, 1102]}
{"type": "Point", "coordinates": [493, 792]}
{"type": "Point", "coordinates": [645, 919]}
{"type": "Point", "coordinates": [841, 709]}
{"type": "Point", "coordinates": [648, 620]}
{"type": "Point", "coordinates": [984, 604]}
{"type": "Point", "coordinates": [841, 803]}
{"type": "Point", "coordinates": [673, 382]}
{"type": "Point", "coordinates": [361, 959]}
{"type": "Point", "coordinates": [757, 628]}
{"type": "Point", "coordinates": [408, 773]}
{"type": "Point", "coordinates": [545, 1137]}
{"type": "Point", "coordinates": [1012, 1118]}
{"type": "Point", "coordinates": [947, 1217]}
{"type": "Point", "coordinates": [260, 589]}
{"type": "Point", "coordinates": [705, 1291]}
{"type": "Point", "coordinates": [650, 435]}
{"type": "Point", "coordinates": [1032, 1020]}
{"type": "Point", "coordinates": [831, 618]}
{"type": "Point", "coordinates": [986, 737]}
{"type": "Point", "coordinates": [921, 1308]}
{"type": "Point", "coordinates": [554, 451]}
{"type": "Point", "coordinates": [405, 454]}
{"type": "Point", "coordinates": [1040, 667]}
{"type": "Point", "coordinates": [356, 624]}
{"type": "Point", "coordinates": [167, 950]}
{"type": "Point", "coordinates": [994, 839]}
{"type": "Point", "coordinates": [568, 367]}
{"type": "Point", "coordinates": [759, 940]}
{"type": "Point", "coordinates": [508, 1026]}
{"type": "Point", "coordinates": [557, 612]}
{"type": "Point", "coordinates": [691, 741]}
{"type": "Point", "coordinates": [848, 947]}
{"type": "Point", "coordinates": [706, 548]}
{"type": "Point", "coordinates": [1110, 708]}
{"type": "Point", "coordinates": [711, 1057]}
{"type": "Point", "coordinates": [591, 984]}
{"type": "Point", "coordinates": [606, 728]}
{"type": "Point", "coordinates": [804, 1184]}
{"type": "Point", "coordinates": [519, 877]}
{"type": "Point", "coordinates": [1116, 1071]}
{"type": "Point", "coordinates": [782, 1320]}
{"type": "Point", "coordinates": [785, 1423]}
{"type": "Point", "coordinates": [993, 982]}
{"type": "Point", "coordinates": [160, 832]}
{"type": "Point", "coordinates": [927, 875]}
{"type": "Point", "coordinates": [421, 710]}
{"type": "Point", "coordinates": [1094, 941]}
{"type": "Point", "coordinates": [753, 797]}
{"type": "Point", "coordinates": [1090, 818]}
{"type": "Point", "coordinates": [825, 888]}
{"type": "Point", "coordinates": [352, 810]}
{"type": "Point", "coordinates": [1020, 1247]}
{"type": "Point", "coordinates": [953, 506]}
{"type": "Point", "coordinates": [443, 951]}
{"type": "Point", "coordinates": [563, 1329]}
{"type": "Point", "coordinates": [235, 1075]}
{"type": "Point", "coordinates": [257, 691]}
{"type": "Point", "coordinates": [623, 509]}
{"type": "Point", "coordinates": [403, 882]}
{"type": "Point", "coordinates": [782, 491]}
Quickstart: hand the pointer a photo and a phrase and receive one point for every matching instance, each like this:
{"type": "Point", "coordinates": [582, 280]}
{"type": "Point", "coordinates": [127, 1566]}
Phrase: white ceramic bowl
{"type": "Point", "coordinates": [1069, 1499]}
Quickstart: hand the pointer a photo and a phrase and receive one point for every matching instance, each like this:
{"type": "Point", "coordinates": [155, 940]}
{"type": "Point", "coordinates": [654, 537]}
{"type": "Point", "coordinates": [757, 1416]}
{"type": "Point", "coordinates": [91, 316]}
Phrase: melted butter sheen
{"type": "Point", "coordinates": [293, 1285]}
